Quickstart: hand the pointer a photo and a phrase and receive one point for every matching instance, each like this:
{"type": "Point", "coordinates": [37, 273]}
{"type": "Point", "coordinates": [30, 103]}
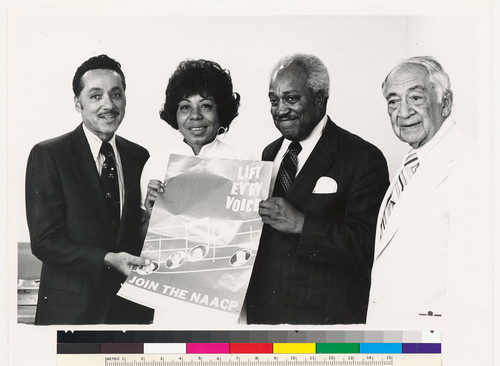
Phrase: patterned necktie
{"type": "Point", "coordinates": [287, 170]}
{"type": "Point", "coordinates": [409, 169]}
{"type": "Point", "coordinates": [109, 181]}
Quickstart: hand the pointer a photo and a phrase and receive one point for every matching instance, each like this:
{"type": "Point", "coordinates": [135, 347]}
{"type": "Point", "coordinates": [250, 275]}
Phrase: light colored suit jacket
{"type": "Point", "coordinates": [427, 247]}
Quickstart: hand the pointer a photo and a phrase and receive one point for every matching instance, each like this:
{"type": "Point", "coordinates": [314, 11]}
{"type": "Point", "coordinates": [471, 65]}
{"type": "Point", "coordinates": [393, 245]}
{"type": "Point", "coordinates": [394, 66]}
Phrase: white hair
{"type": "Point", "coordinates": [316, 72]}
{"type": "Point", "coordinates": [436, 73]}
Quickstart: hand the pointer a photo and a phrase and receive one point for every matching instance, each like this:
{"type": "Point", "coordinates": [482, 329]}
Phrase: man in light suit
{"type": "Point", "coordinates": [426, 251]}
{"type": "Point", "coordinates": [315, 254]}
{"type": "Point", "coordinates": [85, 233]}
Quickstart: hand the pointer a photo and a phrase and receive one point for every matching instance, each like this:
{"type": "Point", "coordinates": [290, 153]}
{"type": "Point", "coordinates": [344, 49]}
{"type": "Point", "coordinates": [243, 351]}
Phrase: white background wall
{"type": "Point", "coordinates": [358, 43]}
{"type": "Point", "coordinates": [45, 50]}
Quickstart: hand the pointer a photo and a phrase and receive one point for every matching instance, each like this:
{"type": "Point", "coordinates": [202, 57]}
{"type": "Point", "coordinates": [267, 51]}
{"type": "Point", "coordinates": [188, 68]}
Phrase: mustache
{"type": "Point", "coordinates": [287, 118]}
{"type": "Point", "coordinates": [407, 123]}
{"type": "Point", "coordinates": [111, 111]}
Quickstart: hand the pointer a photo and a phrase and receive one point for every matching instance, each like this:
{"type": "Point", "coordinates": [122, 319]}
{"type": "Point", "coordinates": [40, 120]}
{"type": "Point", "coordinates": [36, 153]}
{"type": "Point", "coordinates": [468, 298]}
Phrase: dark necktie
{"type": "Point", "coordinates": [287, 170]}
{"type": "Point", "coordinates": [109, 181]}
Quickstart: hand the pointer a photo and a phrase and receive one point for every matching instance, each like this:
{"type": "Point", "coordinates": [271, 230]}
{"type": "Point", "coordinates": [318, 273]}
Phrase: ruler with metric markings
{"type": "Point", "coordinates": [250, 360]}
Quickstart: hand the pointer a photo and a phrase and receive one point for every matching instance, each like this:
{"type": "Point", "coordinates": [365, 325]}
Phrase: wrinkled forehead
{"type": "Point", "coordinates": [407, 77]}
{"type": "Point", "coordinates": [291, 77]}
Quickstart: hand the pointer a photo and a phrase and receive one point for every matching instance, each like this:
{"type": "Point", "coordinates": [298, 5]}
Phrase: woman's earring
{"type": "Point", "coordinates": [222, 131]}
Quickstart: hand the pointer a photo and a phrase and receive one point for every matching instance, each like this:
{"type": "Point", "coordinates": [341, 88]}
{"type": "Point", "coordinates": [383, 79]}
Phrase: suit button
{"type": "Point", "coordinates": [312, 255]}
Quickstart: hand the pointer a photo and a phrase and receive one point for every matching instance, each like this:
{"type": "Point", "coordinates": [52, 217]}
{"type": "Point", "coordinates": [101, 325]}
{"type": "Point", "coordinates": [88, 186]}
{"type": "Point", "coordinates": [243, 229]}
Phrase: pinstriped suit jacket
{"type": "Point", "coordinates": [322, 276]}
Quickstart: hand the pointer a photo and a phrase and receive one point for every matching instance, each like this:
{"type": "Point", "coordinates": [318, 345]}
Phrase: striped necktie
{"type": "Point", "coordinates": [407, 171]}
{"type": "Point", "coordinates": [287, 170]}
{"type": "Point", "coordinates": [109, 182]}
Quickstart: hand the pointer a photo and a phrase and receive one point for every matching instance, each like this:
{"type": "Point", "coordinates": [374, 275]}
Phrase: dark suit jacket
{"type": "Point", "coordinates": [322, 276]}
{"type": "Point", "coordinates": [71, 232]}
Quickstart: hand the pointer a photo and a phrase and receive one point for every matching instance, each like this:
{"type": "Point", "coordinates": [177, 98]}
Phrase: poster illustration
{"type": "Point", "coordinates": [202, 238]}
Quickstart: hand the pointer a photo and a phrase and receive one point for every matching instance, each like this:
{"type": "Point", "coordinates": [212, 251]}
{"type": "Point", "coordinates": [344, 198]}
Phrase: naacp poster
{"type": "Point", "coordinates": [202, 238]}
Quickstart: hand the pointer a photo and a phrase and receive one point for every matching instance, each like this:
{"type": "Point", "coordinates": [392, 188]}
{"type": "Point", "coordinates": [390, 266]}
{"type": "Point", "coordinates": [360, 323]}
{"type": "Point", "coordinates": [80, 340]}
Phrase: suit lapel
{"type": "Point", "coordinates": [270, 152]}
{"type": "Point", "coordinates": [427, 179]}
{"type": "Point", "coordinates": [320, 160]}
{"type": "Point", "coordinates": [84, 167]}
{"type": "Point", "coordinates": [393, 221]}
{"type": "Point", "coordinates": [421, 187]}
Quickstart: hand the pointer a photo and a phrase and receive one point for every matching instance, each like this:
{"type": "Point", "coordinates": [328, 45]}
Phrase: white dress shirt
{"type": "Point", "coordinates": [307, 145]}
{"type": "Point", "coordinates": [423, 151]}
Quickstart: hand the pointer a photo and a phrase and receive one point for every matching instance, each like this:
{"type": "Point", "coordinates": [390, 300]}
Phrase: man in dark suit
{"type": "Point", "coordinates": [83, 207]}
{"type": "Point", "coordinates": [316, 249]}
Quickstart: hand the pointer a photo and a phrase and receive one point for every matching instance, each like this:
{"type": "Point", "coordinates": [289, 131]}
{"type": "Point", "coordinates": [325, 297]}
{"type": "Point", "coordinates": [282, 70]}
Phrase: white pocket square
{"type": "Point", "coordinates": [325, 185]}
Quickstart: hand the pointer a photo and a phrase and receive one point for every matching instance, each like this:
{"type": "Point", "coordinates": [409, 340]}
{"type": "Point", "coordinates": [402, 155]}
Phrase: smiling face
{"type": "Point", "coordinates": [296, 110]}
{"type": "Point", "coordinates": [101, 102]}
{"type": "Point", "coordinates": [198, 120]}
{"type": "Point", "coordinates": [414, 107]}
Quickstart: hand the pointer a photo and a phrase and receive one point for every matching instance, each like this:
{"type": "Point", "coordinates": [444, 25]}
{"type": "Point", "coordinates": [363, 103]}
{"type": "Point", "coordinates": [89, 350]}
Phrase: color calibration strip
{"type": "Point", "coordinates": [248, 342]}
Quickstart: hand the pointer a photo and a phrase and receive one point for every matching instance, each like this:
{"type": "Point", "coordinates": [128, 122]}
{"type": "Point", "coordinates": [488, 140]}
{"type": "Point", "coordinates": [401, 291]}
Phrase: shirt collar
{"type": "Point", "coordinates": [204, 148]}
{"type": "Point", "coordinates": [95, 142]}
{"type": "Point", "coordinates": [310, 141]}
{"type": "Point", "coordinates": [443, 131]}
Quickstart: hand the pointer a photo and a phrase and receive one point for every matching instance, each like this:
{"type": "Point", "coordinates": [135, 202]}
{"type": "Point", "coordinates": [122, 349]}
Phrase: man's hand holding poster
{"type": "Point", "coordinates": [202, 238]}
